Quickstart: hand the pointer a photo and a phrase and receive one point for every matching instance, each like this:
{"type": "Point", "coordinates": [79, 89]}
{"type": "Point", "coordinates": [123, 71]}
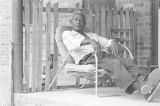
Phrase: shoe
{"type": "Point", "coordinates": [152, 85]}
{"type": "Point", "coordinates": [130, 90]}
{"type": "Point", "coordinates": [149, 97]}
{"type": "Point", "coordinates": [153, 79]}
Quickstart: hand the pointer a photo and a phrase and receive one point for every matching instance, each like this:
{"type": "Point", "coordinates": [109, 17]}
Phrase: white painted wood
{"type": "Point", "coordinates": [158, 37]}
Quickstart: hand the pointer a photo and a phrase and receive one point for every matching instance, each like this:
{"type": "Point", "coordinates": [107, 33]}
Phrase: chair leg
{"type": "Point", "coordinates": [77, 83]}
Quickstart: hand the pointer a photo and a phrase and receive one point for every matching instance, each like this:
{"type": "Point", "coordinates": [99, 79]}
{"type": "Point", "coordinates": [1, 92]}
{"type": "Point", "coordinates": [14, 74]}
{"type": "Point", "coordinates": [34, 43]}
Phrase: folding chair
{"type": "Point", "coordinates": [77, 70]}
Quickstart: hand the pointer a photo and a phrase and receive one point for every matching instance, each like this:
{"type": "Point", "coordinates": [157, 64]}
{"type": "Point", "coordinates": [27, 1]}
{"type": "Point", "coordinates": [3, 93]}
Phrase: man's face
{"type": "Point", "coordinates": [78, 22]}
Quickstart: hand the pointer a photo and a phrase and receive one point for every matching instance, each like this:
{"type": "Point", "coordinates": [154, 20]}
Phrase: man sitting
{"type": "Point", "coordinates": [80, 46]}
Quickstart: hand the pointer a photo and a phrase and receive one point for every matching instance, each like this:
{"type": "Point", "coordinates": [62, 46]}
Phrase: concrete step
{"type": "Point", "coordinates": [109, 96]}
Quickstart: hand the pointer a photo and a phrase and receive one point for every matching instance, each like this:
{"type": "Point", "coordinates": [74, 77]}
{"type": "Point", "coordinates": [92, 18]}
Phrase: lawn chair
{"type": "Point", "coordinates": [79, 71]}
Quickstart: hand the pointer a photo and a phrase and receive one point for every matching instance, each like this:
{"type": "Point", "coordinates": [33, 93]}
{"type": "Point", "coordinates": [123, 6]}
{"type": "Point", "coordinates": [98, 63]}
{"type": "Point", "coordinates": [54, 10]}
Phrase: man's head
{"type": "Point", "coordinates": [78, 21]}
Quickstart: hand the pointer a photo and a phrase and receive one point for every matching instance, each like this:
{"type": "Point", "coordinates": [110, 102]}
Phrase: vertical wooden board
{"type": "Point", "coordinates": [89, 20]}
{"type": "Point", "coordinates": [127, 26]}
{"type": "Point", "coordinates": [122, 19]}
{"type": "Point", "coordinates": [112, 18]}
{"type": "Point", "coordinates": [116, 18]}
{"type": "Point", "coordinates": [118, 23]}
{"type": "Point", "coordinates": [133, 33]}
{"type": "Point", "coordinates": [127, 19]}
{"type": "Point", "coordinates": [103, 23]}
{"type": "Point", "coordinates": [122, 26]}
{"type": "Point", "coordinates": [48, 44]}
{"type": "Point", "coordinates": [39, 65]}
{"type": "Point", "coordinates": [97, 23]}
{"type": "Point", "coordinates": [114, 21]}
{"type": "Point", "coordinates": [55, 48]}
{"type": "Point", "coordinates": [93, 22]}
{"type": "Point", "coordinates": [77, 79]}
{"type": "Point", "coordinates": [27, 45]}
{"type": "Point", "coordinates": [108, 23]}
{"type": "Point", "coordinates": [77, 7]}
{"type": "Point", "coordinates": [34, 47]}
{"type": "Point", "coordinates": [158, 37]}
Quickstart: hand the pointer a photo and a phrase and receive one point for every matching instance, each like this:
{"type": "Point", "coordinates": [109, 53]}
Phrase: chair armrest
{"type": "Point", "coordinates": [79, 68]}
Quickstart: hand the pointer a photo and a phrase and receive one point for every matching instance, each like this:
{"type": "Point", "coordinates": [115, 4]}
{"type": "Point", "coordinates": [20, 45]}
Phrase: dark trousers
{"type": "Point", "coordinates": [122, 70]}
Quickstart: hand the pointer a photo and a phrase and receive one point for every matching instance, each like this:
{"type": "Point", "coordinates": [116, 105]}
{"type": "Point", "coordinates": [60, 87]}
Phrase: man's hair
{"type": "Point", "coordinates": [81, 13]}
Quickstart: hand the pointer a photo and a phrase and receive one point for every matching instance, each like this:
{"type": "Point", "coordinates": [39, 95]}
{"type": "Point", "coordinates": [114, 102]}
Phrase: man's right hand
{"type": "Point", "coordinates": [97, 47]}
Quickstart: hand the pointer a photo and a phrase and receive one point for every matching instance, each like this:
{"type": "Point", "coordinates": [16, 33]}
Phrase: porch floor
{"type": "Point", "coordinates": [108, 96]}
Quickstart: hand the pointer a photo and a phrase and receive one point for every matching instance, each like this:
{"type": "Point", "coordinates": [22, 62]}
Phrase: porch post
{"type": "Point", "coordinates": [158, 37]}
{"type": "Point", "coordinates": [17, 40]}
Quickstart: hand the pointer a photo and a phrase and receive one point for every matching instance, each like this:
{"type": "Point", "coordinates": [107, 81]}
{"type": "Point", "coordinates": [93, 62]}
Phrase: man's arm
{"type": "Point", "coordinates": [112, 44]}
{"type": "Point", "coordinates": [96, 46]}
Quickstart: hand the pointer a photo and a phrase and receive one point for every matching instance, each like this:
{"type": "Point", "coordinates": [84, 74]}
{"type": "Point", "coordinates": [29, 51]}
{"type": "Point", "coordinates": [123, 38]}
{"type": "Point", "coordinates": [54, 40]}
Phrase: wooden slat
{"type": "Point", "coordinates": [89, 20]}
{"type": "Point", "coordinates": [76, 7]}
{"type": "Point", "coordinates": [122, 26]}
{"type": "Point", "coordinates": [61, 10]}
{"type": "Point", "coordinates": [93, 21]}
{"type": "Point", "coordinates": [39, 65]}
{"type": "Point", "coordinates": [121, 30]}
{"type": "Point", "coordinates": [108, 23]}
{"type": "Point", "coordinates": [128, 34]}
{"type": "Point", "coordinates": [64, 10]}
{"type": "Point", "coordinates": [97, 22]}
{"type": "Point", "coordinates": [103, 23]}
{"type": "Point", "coordinates": [133, 34]}
{"type": "Point", "coordinates": [27, 45]}
{"type": "Point", "coordinates": [122, 19]}
{"type": "Point", "coordinates": [34, 48]}
{"type": "Point", "coordinates": [48, 44]}
{"type": "Point", "coordinates": [77, 80]}
{"type": "Point", "coordinates": [55, 49]}
{"type": "Point", "coordinates": [114, 18]}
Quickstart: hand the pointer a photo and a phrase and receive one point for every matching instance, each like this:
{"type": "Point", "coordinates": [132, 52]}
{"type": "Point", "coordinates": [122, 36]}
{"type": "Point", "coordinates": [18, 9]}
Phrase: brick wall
{"type": "Point", "coordinates": [143, 21]}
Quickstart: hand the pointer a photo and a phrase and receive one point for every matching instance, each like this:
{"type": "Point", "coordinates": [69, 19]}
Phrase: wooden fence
{"type": "Point", "coordinates": [39, 37]}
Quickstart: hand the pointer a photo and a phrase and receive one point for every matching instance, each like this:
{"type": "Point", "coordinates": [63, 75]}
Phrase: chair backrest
{"type": "Point", "coordinates": [61, 47]}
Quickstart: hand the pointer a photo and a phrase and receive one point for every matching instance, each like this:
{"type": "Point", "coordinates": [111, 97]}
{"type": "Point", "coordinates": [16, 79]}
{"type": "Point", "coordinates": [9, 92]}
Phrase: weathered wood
{"type": "Point", "coordinates": [122, 26]}
{"type": "Point", "coordinates": [121, 30]}
{"type": "Point", "coordinates": [48, 45]}
{"type": "Point", "coordinates": [76, 7]}
{"type": "Point", "coordinates": [89, 20]}
{"type": "Point", "coordinates": [27, 46]}
{"type": "Point", "coordinates": [133, 33]}
{"type": "Point", "coordinates": [154, 37]}
{"type": "Point", "coordinates": [97, 21]}
{"type": "Point", "coordinates": [159, 38]}
{"type": "Point", "coordinates": [61, 10]}
{"type": "Point", "coordinates": [108, 23]}
{"type": "Point", "coordinates": [17, 39]}
{"type": "Point", "coordinates": [103, 23]}
{"type": "Point", "coordinates": [55, 55]}
{"type": "Point", "coordinates": [127, 25]}
{"type": "Point", "coordinates": [39, 64]}
{"type": "Point", "coordinates": [113, 19]}
{"type": "Point", "coordinates": [34, 48]}
{"type": "Point", "coordinates": [77, 80]}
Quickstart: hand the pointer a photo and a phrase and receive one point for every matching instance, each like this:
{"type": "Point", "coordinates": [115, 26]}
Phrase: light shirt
{"type": "Point", "coordinates": [73, 39]}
